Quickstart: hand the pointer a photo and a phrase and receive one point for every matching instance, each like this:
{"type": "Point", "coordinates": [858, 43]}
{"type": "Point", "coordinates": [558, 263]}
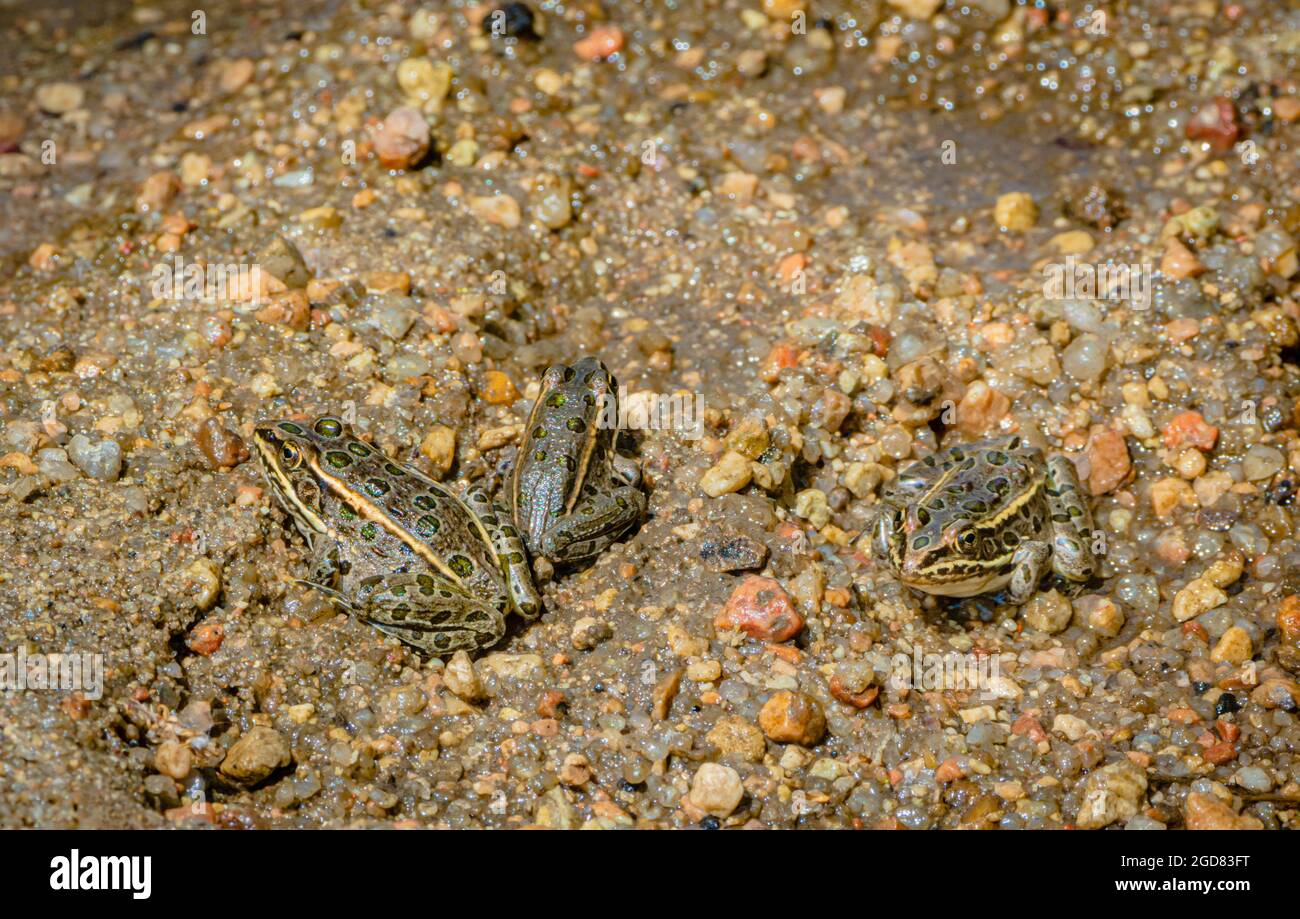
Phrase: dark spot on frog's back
{"type": "Point", "coordinates": [289, 428]}
{"type": "Point", "coordinates": [328, 427]}
{"type": "Point", "coordinates": [338, 459]}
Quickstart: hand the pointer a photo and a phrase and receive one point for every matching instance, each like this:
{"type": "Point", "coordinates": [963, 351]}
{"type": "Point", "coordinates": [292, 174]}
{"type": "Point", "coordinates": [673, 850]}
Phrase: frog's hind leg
{"type": "Point", "coordinates": [1067, 507]}
{"type": "Point", "coordinates": [593, 526]}
{"type": "Point", "coordinates": [429, 614]}
{"type": "Point", "coordinates": [508, 548]}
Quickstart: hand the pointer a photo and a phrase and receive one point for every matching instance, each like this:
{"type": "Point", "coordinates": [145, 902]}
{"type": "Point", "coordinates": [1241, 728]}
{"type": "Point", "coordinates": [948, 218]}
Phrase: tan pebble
{"type": "Point", "coordinates": [1224, 572]}
{"type": "Point", "coordinates": [704, 671]}
{"type": "Point", "coordinates": [729, 474]}
{"type": "Point", "coordinates": [44, 257]}
{"type": "Point", "coordinates": [738, 186]}
{"type": "Point", "coordinates": [1168, 494]}
{"type": "Point", "coordinates": [1072, 242]}
{"type": "Point", "coordinates": [1111, 794]}
{"type": "Point", "coordinates": [388, 282]}
{"type": "Point", "coordinates": [792, 717]}
{"type": "Point", "coordinates": [462, 679]}
{"type": "Point", "coordinates": [157, 191]}
{"type": "Point", "coordinates": [424, 80]}
{"type": "Point", "coordinates": [734, 736]}
{"type": "Point", "coordinates": [402, 139]}
{"type": "Point", "coordinates": [256, 755]}
{"type": "Point", "coordinates": [716, 789]}
{"type": "Point", "coordinates": [917, 9]}
{"type": "Point", "coordinates": [1099, 614]}
{"type": "Point", "coordinates": [830, 99]}
{"type": "Point", "coordinates": [1199, 596]}
{"type": "Point", "coordinates": [1189, 463]}
{"type": "Point", "coordinates": [1015, 211]}
{"type": "Point", "coordinates": [1233, 647]}
{"type": "Point", "coordinates": [439, 448]}
{"type": "Point", "coordinates": [1179, 262]}
{"type": "Point", "coordinates": [576, 771]}
{"type": "Point", "coordinates": [236, 74]}
{"type": "Point", "coordinates": [1048, 612]}
{"type": "Point", "coordinates": [498, 210]}
{"type": "Point", "coordinates": [60, 98]}
{"type": "Point", "coordinates": [173, 759]}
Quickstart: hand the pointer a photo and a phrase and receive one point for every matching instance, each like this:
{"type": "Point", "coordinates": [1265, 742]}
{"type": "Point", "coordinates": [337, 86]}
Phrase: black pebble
{"type": "Point", "coordinates": [710, 823]}
{"type": "Point", "coordinates": [1226, 704]}
{"type": "Point", "coordinates": [517, 21]}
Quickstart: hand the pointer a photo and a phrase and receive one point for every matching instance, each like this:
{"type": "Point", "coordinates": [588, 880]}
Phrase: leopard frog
{"type": "Point", "coordinates": [572, 494]}
{"type": "Point", "coordinates": [436, 569]}
{"type": "Point", "coordinates": [985, 516]}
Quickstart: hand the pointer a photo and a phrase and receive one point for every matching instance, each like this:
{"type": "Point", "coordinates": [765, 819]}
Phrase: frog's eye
{"type": "Point", "coordinates": [967, 539]}
{"type": "Point", "coordinates": [291, 456]}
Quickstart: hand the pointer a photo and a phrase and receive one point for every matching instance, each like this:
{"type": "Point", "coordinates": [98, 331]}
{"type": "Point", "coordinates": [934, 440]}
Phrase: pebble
{"type": "Point", "coordinates": [734, 736]}
{"type": "Point", "coordinates": [498, 388]}
{"type": "Point", "coordinates": [424, 80]}
{"type": "Point", "coordinates": [729, 474]}
{"type": "Point", "coordinates": [256, 755]}
{"type": "Point", "coordinates": [1108, 460]}
{"type": "Point", "coordinates": [101, 460]}
{"type": "Point", "coordinates": [737, 553]}
{"type": "Point", "coordinates": [173, 759]}
{"type": "Point", "coordinates": [1048, 612]}
{"type": "Point", "coordinates": [1191, 428]}
{"type": "Point", "coordinates": [588, 632]}
{"type": "Point", "coordinates": [1015, 211]}
{"type": "Point", "coordinates": [402, 139]}
{"type": "Point", "coordinates": [236, 74]}
{"type": "Point", "coordinates": [462, 679]}
{"type": "Point", "coordinates": [60, 98]}
{"type": "Point", "coordinates": [1261, 462]}
{"type": "Point", "coordinates": [1110, 794]}
{"type": "Point", "coordinates": [1206, 812]}
{"type": "Point", "coordinates": [603, 42]}
{"type": "Point", "coordinates": [761, 608]}
{"type": "Point", "coordinates": [716, 789]}
{"type": "Point", "coordinates": [439, 448]}
{"type": "Point", "coordinates": [1253, 778]}
{"type": "Point", "coordinates": [1199, 596]}
{"type": "Point", "coordinates": [54, 465]}
{"type": "Point", "coordinates": [1085, 357]}
{"type": "Point", "coordinates": [1234, 647]}
{"type": "Point", "coordinates": [202, 583]}
{"type": "Point", "coordinates": [281, 261]}
{"type": "Point", "coordinates": [1100, 614]}
{"type": "Point", "coordinates": [221, 447]}
{"type": "Point", "coordinates": [158, 191]}
{"type": "Point", "coordinates": [792, 717]}
{"type": "Point", "coordinates": [498, 210]}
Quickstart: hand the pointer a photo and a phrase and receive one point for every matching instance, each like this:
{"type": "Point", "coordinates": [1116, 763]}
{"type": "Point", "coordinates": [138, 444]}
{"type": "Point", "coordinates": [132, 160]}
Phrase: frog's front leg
{"type": "Point", "coordinates": [1028, 566]}
{"type": "Point", "coordinates": [595, 522]}
{"type": "Point", "coordinates": [1071, 522]}
{"type": "Point", "coordinates": [428, 613]}
{"type": "Point", "coordinates": [509, 550]}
